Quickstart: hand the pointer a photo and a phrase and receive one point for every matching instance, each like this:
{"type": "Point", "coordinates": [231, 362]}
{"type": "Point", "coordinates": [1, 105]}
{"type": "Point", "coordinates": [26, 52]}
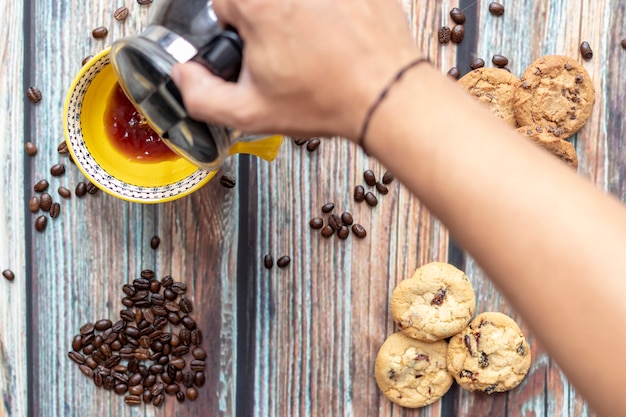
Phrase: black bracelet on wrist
{"type": "Point", "coordinates": [381, 97]}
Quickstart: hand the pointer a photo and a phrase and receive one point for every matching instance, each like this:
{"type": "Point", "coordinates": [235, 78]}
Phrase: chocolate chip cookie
{"type": "Point", "coordinates": [490, 355]}
{"type": "Point", "coordinates": [436, 302]}
{"type": "Point", "coordinates": [412, 373]}
{"type": "Point", "coordinates": [495, 88]}
{"type": "Point", "coordinates": [548, 139]}
{"type": "Point", "coordinates": [555, 92]}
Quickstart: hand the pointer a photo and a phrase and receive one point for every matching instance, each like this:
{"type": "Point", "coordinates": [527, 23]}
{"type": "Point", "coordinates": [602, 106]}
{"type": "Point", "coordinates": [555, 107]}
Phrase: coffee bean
{"type": "Point", "coordinates": [86, 59]}
{"type": "Point", "coordinates": [100, 32]}
{"type": "Point", "coordinates": [144, 2]}
{"type": "Point", "coordinates": [90, 362]}
{"type": "Point", "coordinates": [313, 144]}
{"type": "Point", "coordinates": [624, 43]}
{"type": "Point", "coordinates": [33, 204]}
{"type": "Point", "coordinates": [63, 149]}
{"type": "Point", "coordinates": [198, 379]}
{"type": "Point", "coordinates": [454, 73]}
{"type": "Point", "coordinates": [444, 34]}
{"type": "Point", "coordinates": [87, 328]}
{"type": "Point", "coordinates": [585, 51]}
{"type": "Point", "coordinates": [157, 401]}
{"type": "Point", "coordinates": [121, 13]}
{"type": "Point", "coordinates": [87, 371]}
{"type": "Point", "coordinates": [120, 389]}
{"type": "Point", "coordinates": [316, 223]}
{"type": "Point", "coordinates": [343, 233]}
{"type": "Point", "coordinates": [172, 306]}
{"type": "Point", "coordinates": [328, 207]}
{"type": "Point", "coordinates": [167, 281]}
{"type": "Point", "coordinates": [41, 186]}
{"type": "Point", "coordinates": [45, 202]}
{"type": "Point", "coordinates": [186, 305]}
{"type": "Point", "coordinates": [282, 262]}
{"type": "Point", "coordinates": [55, 210]}
{"type": "Point", "coordinates": [359, 231]}
{"type": "Point", "coordinates": [132, 400]}
{"type": "Point", "coordinates": [300, 141]}
{"type": "Point", "coordinates": [335, 221]}
{"type": "Point", "coordinates": [178, 363]}
{"type": "Point", "coordinates": [135, 379]}
{"type": "Point", "coordinates": [477, 63]}
{"type": "Point", "coordinates": [328, 231]}
{"type": "Point", "coordinates": [87, 339]}
{"type": "Point", "coordinates": [149, 381]}
{"type": "Point", "coordinates": [171, 370]}
{"type": "Point", "coordinates": [180, 396]}
{"type": "Point", "coordinates": [147, 274]}
{"type": "Point", "coordinates": [191, 393]}
{"type": "Point", "coordinates": [146, 397]}
{"type": "Point", "coordinates": [57, 170]}
{"type": "Point", "coordinates": [132, 331]}
{"type": "Point", "coordinates": [500, 61]}
{"type": "Point", "coordinates": [157, 299]}
{"type": "Point", "coordinates": [113, 361]}
{"type": "Point", "coordinates": [103, 325]}
{"type": "Point", "coordinates": [181, 350]}
{"type": "Point", "coordinates": [127, 315]}
{"type": "Point", "coordinates": [33, 94]}
{"type": "Point", "coordinates": [359, 193]}
{"type": "Point", "coordinates": [196, 336]}
{"type": "Point", "coordinates": [106, 350]}
{"type": "Point", "coordinates": [136, 390]}
{"type": "Point", "coordinates": [369, 177]}
{"type": "Point", "coordinates": [185, 337]}
{"type": "Point", "coordinates": [179, 288]}
{"type": "Point", "coordinates": [382, 188]}
{"type": "Point", "coordinates": [89, 349]}
{"type": "Point", "coordinates": [190, 324]}
{"type": "Point", "coordinates": [198, 353]}
{"type": "Point", "coordinates": [155, 287]}
{"type": "Point", "coordinates": [109, 383]}
{"type": "Point", "coordinates": [120, 368]}
{"type": "Point", "coordinates": [30, 148]}
{"type": "Point", "coordinates": [458, 33]}
{"type": "Point", "coordinates": [197, 365]}
{"type": "Point", "coordinates": [64, 192]}
{"type": "Point", "coordinates": [346, 218]}
{"type": "Point", "coordinates": [159, 322]}
{"type": "Point", "coordinates": [371, 199]}
{"type": "Point", "coordinates": [91, 188]}
{"type": "Point", "coordinates": [77, 341]}
{"type": "Point", "coordinates": [227, 181]}
{"type": "Point", "coordinates": [172, 389]}
{"type": "Point", "coordinates": [457, 16]}
{"type": "Point", "coordinates": [155, 242]}
{"type": "Point", "coordinates": [118, 326]}
{"type": "Point", "coordinates": [496, 9]}
{"type": "Point", "coordinates": [141, 284]}
{"type": "Point", "coordinates": [81, 189]}
{"type": "Point", "coordinates": [98, 341]}
{"type": "Point", "coordinates": [76, 357]}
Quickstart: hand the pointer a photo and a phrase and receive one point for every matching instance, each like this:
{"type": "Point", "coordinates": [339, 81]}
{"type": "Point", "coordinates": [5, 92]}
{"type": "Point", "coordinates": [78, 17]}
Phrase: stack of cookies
{"type": "Point", "coordinates": [548, 105]}
{"type": "Point", "coordinates": [416, 366]}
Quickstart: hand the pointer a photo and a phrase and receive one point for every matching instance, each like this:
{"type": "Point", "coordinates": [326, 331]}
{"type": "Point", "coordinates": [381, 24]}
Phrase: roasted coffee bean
{"type": "Point", "coordinates": [198, 379]}
{"type": "Point", "coordinates": [185, 336]}
{"type": "Point", "coordinates": [173, 318]}
{"type": "Point", "coordinates": [98, 379]}
{"type": "Point", "coordinates": [187, 379]}
{"type": "Point", "coordinates": [172, 389]}
{"type": "Point", "coordinates": [120, 389]}
{"type": "Point", "coordinates": [132, 331]}
{"type": "Point", "coordinates": [346, 218]}
{"type": "Point", "coordinates": [458, 33]}
{"type": "Point", "coordinates": [128, 302]}
{"type": "Point", "coordinates": [113, 361]}
{"type": "Point", "coordinates": [371, 199]}
{"type": "Point", "coordinates": [171, 371]}
{"type": "Point", "coordinates": [175, 340]}
{"type": "Point", "coordinates": [100, 32]}
{"type": "Point", "coordinates": [41, 186]}
{"type": "Point", "coordinates": [141, 284]}
{"type": "Point", "coordinates": [87, 371]}
{"type": "Point", "coordinates": [313, 144]}
{"type": "Point", "coordinates": [157, 299]}
{"type": "Point", "coordinates": [136, 390]}
{"type": "Point", "coordinates": [146, 331]}
{"type": "Point", "coordinates": [55, 210]}
{"type": "Point", "coordinates": [81, 189]}
{"type": "Point", "coordinates": [155, 287]}
{"type": "Point", "coordinates": [177, 363]}
{"type": "Point", "coordinates": [147, 274]}
{"type": "Point", "coordinates": [335, 221]}
{"type": "Point", "coordinates": [33, 94]}
{"type": "Point", "coordinates": [181, 350]}
{"type": "Point", "coordinates": [91, 188]}
{"type": "Point", "coordinates": [120, 377]}
{"type": "Point", "coordinates": [144, 2]}
{"type": "Point", "coordinates": [190, 324]}
{"type": "Point", "coordinates": [127, 353]}
{"type": "Point", "coordinates": [381, 188]}
{"type": "Point", "coordinates": [133, 363]}
{"type": "Point", "coordinates": [64, 192]}
{"type": "Point", "coordinates": [57, 170]}
{"type": "Point", "coordinates": [149, 381]}
{"type": "Point", "coordinates": [118, 326]}
{"type": "Point", "coordinates": [585, 51]}
{"type": "Point", "coordinates": [171, 306]}
{"type": "Point", "coordinates": [328, 231]}
{"type": "Point", "coordinates": [300, 141]}
{"type": "Point", "coordinates": [45, 202]}
{"type": "Point", "coordinates": [282, 262]}
{"type": "Point", "coordinates": [76, 357]}
{"type": "Point", "coordinates": [155, 242]}
{"type": "Point", "coordinates": [110, 336]}
{"type": "Point", "coordinates": [106, 350]}
{"type": "Point", "coordinates": [227, 181]}
{"type": "Point", "coordinates": [77, 341]}
{"type": "Point", "coordinates": [167, 281]}
{"type": "Point", "coordinates": [120, 368]}
{"type": "Point", "coordinates": [90, 362]}
{"type": "Point", "coordinates": [33, 204]}
{"type": "Point", "coordinates": [87, 328]}
{"type": "Point", "coordinates": [444, 34]}
{"type": "Point", "coordinates": [197, 365]}
{"type": "Point", "coordinates": [109, 383]}
{"type": "Point", "coordinates": [159, 323]}
{"type": "Point", "coordinates": [156, 346]}
{"type": "Point", "coordinates": [186, 305]}
{"type": "Point", "coordinates": [156, 369]}
{"type": "Point", "coordinates": [127, 315]}
{"type": "Point", "coordinates": [198, 353]}
{"type": "Point", "coordinates": [129, 290]}
{"type": "Point", "coordinates": [388, 178]}
{"type": "Point", "coordinates": [146, 397]}
{"type": "Point", "coordinates": [98, 341]}
{"type": "Point", "coordinates": [155, 335]}
{"type": "Point", "coordinates": [328, 207]}
{"type": "Point", "coordinates": [157, 401]}
{"type": "Point", "coordinates": [369, 177]}
{"type": "Point", "coordinates": [139, 317]}
{"type": "Point", "coordinates": [102, 325]}
{"type": "Point", "coordinates": [454, 73]}
{"type": "Point", "coordinates": [87, 339]}
{"type": "Point", "coordinates": [359, 193]}
{"type": "Point", "coordinates": [166, 379]}
{"type": "Point", "coordinates": [144, 342]}
{"type": "Point", "coordinates": [141, 294]}
{"type": "Point", "coordinates": [157, 388]}
{"type": "Point", "coordinates": [196, 337]}
{"type": "Point", "coordinates": [500, 61]}
{"type": "Point", "coordinates": [30, 148]}
{"type": "Point", "coordinates": [149, 316]}
{"type": "Point", "coordinates": [121, 13]}
{"type": "Point", "coordinates": [477, 63]}
{"type": "Point", "coordinates": [132, 400]}
{"type": "Point", "coordinates": [624, 43]}
{"type": "Point", "coordinates": [143, 370]}
{"type": "Point", "coordinates": [343, 233]}
{"type": "Point", "coordinates": [191, 393]}
{"type": "Point", "coordinates": [135, 379]}
{"type": "Point", "coordinates": [179, 288]}
{"type": "Point", "coordinates": [8, 275]}
{"type": "Point", "coordinates": [359, 231]}
{"type": "Point", "coordinates": [496, 9]}
{"type": "Point", "coordinates": [457, 16]}
{"type": "Point", "coordinates": [63, 149]}
{"type": "Point", "coordinates": [180, 396]}
{"type": "Point", "coordinates": [316, 223]}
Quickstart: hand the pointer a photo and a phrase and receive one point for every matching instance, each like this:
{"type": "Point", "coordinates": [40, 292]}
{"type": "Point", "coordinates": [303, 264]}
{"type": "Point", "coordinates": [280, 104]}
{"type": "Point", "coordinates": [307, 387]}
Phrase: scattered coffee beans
{"type": "Point", "coordinates": [268, 261]}
{"type": "Point", "coordinates": [282, 262]}
{"type": "Point", "coordinates": [33, 204]}
{"type": "Point", "coordinates": [458, 33]}
{"type": "Point", "coordinates": [496, 9]}
{"type": "Point", "coordinates": [55, 210]}
{"type": "Point", "coordinates": [457, 16]}
{"type": "Point", "coordinates": [477, 63]}
{"type": "Point", "coordinates": [40, 223]}
{"type": "Point", "coordinates": [369, 177]}
{"type": "Point", "coordinates": [359, 193]}
{"type": "Point", "coordinates": [81, 189]}
{"type": "Point", "coordinates": [121, 13]}
{"type": "Point", "coordinates": [328, 207]}
{"type": "Point", "coordinates": [8, 275]}
{"type": "Point", "coordinates": [41, 186]}
{"type": "Point", "coordinates": [454, 73]}
{"type": "Point", "coordinates": [45, 202]}
{"type": "Point", "coordinates": [316, 223]}
{"type": "Point", "coordinates": [359, 231]}
{"type": "Point", "coordinates": [57, 170]}
{"type": "Point", "coordinates": [155, 242]}
{"type": "Point", "coordinates": [585, 51]}
{"type": "Point", "coordinates": [444, 34]}
{"type": "Point", "coordinates": [64, 192]}
{"type": "Point", "coordinates": [313, 144]}
{"type": "Point", "coordinates": [371, 199]}
{"type": "Point", "coordinates": [100, 32]}
{"type": "Point", "coordinates": [500, 61]}
{"type": "Point", "coordinates": [227, 181]}
{"type": "Point", "coordinates": [30, 148]}
{"type": "Point", "coordinates": [33, 94]}
{"type": "Point", "coordinates": [388, 178]}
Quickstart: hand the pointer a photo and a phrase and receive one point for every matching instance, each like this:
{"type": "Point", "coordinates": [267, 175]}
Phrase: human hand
{"type": "Point", "coordinates": [310, 67]}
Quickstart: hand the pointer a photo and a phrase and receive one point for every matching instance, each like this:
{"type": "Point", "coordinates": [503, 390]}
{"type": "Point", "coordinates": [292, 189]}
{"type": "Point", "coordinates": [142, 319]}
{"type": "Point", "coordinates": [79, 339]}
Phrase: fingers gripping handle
{"type": "Point", "coordinates": [223, 55]}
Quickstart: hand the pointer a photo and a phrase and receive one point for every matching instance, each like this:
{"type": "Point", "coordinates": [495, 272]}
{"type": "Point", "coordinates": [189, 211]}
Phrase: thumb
{"type": "Point", "coordinates": [208, 97]}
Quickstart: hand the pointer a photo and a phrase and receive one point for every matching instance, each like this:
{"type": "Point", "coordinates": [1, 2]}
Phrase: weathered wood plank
{"type": "Point", "coordinates": [13, 304]}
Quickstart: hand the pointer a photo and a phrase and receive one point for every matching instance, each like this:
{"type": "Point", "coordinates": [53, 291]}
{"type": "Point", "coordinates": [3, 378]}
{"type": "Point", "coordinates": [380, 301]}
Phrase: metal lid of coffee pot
{"type": "Point", "coordinates": [143, 66]}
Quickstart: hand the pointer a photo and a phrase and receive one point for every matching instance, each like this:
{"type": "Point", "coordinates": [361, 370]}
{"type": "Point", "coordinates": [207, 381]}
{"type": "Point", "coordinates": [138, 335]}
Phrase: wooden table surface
{"type": "Point", "coordinates": [299, 341]}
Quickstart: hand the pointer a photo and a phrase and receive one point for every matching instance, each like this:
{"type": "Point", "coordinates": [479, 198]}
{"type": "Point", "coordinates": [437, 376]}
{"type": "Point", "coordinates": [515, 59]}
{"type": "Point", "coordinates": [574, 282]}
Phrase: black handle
{"type": "Point", "coordinates": [223, 55]}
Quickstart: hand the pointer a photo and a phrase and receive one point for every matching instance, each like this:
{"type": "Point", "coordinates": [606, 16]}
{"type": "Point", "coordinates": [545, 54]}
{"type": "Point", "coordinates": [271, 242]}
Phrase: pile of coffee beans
{"type": "Point", "coordinates": [142, 356]}
{"type": "Point", "coordinates": [335, 223]}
